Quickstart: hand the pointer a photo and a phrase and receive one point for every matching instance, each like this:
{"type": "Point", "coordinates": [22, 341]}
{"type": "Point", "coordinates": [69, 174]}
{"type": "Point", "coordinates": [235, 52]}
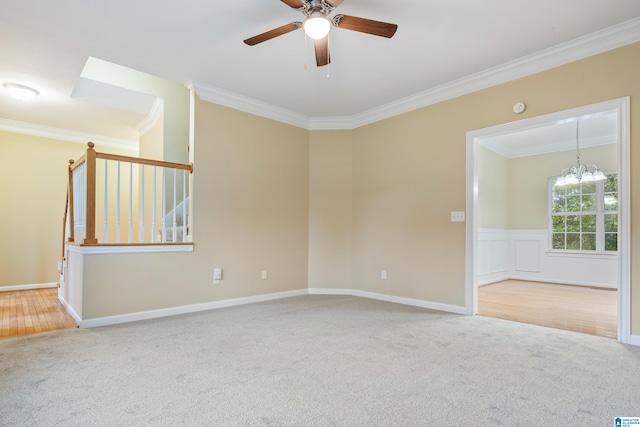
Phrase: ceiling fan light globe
{"type": "Point", "coordinates": [317, 27]}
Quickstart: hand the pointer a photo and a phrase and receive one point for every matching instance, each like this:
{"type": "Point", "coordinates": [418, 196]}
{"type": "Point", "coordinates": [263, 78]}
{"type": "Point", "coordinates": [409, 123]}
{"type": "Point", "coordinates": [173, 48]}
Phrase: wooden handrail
{"type": "Point", "coordinates": [149, 162]}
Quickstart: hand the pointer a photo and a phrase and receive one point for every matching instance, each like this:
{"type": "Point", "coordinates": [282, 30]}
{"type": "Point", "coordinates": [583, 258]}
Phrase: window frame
{"type": "Point", "coordinates": [600, 213]}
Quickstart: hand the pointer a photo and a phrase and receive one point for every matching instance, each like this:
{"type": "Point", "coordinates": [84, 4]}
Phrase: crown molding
{"type": "Point", "coordinates": [67, 135]}
{"type": "Point", "coordinates": [249, 105]}
{"type": "Point", "coordinates": [146, 124]}
{"type": "Point", "coordinates": [583, 47]}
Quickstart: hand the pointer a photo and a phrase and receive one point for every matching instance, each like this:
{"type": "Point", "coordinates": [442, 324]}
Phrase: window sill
{"type": "Point", "coordinates": [576, 254]}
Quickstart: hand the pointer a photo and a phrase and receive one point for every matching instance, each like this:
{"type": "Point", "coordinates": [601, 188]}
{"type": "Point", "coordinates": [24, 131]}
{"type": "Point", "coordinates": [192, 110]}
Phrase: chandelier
{"type": "Point", "coordinates": [579, 173]}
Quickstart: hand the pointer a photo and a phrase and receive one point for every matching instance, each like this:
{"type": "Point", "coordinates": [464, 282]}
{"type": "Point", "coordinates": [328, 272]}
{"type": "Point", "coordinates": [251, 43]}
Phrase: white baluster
{"type": "Point", "coordinates": [184, 205]}
{"type": "Point", "coordinates": [105, 228]}
{"type": "Point", "coordinates": [175, 189]}
{"type": "Point", "coordinates": [118, 206]}
{"type": "Point", "coordinates": [130, 222]}
{"type": "Point", "coordinates": [153, 206]}
{"type": "Point", "coordinates": [164, 204]}
{"type": "Point", "coordinates": [141, 212]}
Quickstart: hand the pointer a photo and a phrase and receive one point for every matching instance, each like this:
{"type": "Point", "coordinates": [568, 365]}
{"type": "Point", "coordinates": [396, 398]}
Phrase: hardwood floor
{"type": "Point", "coordinates": [575, 308]}
{"type": "Point", "coordinates": [32, 312]}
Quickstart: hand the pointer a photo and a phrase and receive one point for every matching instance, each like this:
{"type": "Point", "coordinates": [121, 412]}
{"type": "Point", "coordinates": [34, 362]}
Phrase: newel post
{"type": "Point", "coordinates": [90, 219]}
{"type": "Point", "coordinates": [70, 204]}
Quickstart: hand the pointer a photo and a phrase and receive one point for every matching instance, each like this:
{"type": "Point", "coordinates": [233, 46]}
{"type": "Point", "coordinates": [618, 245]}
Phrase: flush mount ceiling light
{"type": "Point", "coordinates": [21, 92]}
{"type": "Point", "coordinates": [579, 173]}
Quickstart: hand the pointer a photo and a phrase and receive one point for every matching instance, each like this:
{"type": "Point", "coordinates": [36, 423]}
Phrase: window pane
{"type": "Point", "coordinates": [573, 203]}
{"type": "Point", "coordinates": [611, 242]}
{"type": "Point", "coordinates": [611, 223]}
{"type": "Point", "coordinates": [589, 223]}
{"type": "Point", "coordinates": [558, 224]}
{"type": "Point", "coordinates": [589, 188]}
{"type": "Point", "coordinates": [611, 183]}
{"type": "Point", "coordinates": [611, 202]}
{"type": "Point", "coordinates": [573, 223]}
{"type": "Point", "coordinates": [589, 242]}
{"type": "Point", "coordinates": [573, 189]}
{"type": "Point", "coordinates": [589, 203]}
{"type": "Point", "coordinates": [573, 241]}
{"type": "Point", "coordinates": [558, 203]}
{"type": "Point", "coordinates": [558, 241]}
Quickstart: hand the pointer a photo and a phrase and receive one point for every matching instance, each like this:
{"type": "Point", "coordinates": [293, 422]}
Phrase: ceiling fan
{"type": "Point", "coordinates": [317, 25]}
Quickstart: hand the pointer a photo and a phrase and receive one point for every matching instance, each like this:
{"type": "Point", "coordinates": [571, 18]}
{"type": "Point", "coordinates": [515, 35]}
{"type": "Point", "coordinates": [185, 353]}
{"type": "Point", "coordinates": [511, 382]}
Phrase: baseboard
{"type": "Point", "coordinates": [184, 309]}
{"type": "Point", "coordinates": [564, 282]}
{"type": "Point", "coordinates": [634, 340]}
{"type": "Point", "coordinates": [494, 280]}
{"type": "Point", "coordinates": [330, 291]}
{"type": "Point", "coordinates": [390, 298]}
{"type": "Point", "coordinates": [70, 310]}
{"type": "Point", "coordinates": [411, 301]}
{"type": "Point", "coordinates": [27, 287]}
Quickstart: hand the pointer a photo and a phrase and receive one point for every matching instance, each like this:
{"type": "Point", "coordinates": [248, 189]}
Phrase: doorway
{"type": "Point", "coordinates": [619, 110]}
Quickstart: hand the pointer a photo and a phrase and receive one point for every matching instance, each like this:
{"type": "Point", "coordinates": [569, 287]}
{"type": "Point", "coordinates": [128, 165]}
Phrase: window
{"type": "Point", "coordinates": [584, 217]}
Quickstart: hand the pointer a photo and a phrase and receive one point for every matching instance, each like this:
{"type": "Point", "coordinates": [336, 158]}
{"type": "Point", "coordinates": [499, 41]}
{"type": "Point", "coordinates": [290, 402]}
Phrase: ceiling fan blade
{"type": "Point", "coordinates": [333, 3]}
{"type": "Point", "coordinates": [322, 51]}
{"type": "Point", "coordinates": [296, 4]}
{"type": "Point", "coordinates": [369, 26]}
{"type": "Point", "coordinates": [273, 33]}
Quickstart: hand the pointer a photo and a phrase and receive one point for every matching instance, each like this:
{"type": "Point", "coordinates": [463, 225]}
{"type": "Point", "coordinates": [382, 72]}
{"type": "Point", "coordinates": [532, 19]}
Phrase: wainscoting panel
{"type": "Point", "coordinates": [527, 255]}
{"type": "Point", "coordinates": [524, 255]}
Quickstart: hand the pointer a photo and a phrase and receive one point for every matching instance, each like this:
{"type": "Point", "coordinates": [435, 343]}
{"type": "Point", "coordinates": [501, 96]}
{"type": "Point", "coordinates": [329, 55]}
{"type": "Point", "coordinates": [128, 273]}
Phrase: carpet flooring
{"type": "Point", "coordinates": [318, 361]}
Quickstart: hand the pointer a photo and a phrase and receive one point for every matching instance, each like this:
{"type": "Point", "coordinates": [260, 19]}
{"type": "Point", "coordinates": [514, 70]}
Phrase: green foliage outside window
{"type": "Point", "coordinates": [584, 217]}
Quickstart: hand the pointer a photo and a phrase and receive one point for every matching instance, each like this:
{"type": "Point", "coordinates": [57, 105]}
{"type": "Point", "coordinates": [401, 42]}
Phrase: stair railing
{"type": "Point", "coordinates": [152, 195]}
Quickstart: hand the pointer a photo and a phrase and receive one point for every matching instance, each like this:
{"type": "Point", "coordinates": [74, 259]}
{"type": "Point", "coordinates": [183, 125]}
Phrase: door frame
{"type": "Point", "coordinates": [621, 107]}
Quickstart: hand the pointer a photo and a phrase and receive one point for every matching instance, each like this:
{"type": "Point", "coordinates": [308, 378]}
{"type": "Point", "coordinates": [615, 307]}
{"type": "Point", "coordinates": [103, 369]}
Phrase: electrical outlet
{"type": "Point", "coordinates": [383, 275]}
{"type": "Point", "coordinates": [457, 216]}
{"type": "Point", "coordinates": [264, 274]}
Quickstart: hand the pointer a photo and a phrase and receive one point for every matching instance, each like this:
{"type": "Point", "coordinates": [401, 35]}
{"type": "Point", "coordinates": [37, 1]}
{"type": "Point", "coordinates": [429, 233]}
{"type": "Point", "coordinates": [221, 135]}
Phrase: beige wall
{"type": "Point", "coordinates": [33, 186]}
{"type": "Point", "coordinates": [330, 196]}
{"type": "Point", "coordinates": [493, 190]}
{"type": "Point", "coordinates": [251, 213]}
{"type": "Point", "coordinates": [408, 174]}
{"type": "Point", "coordinates": [528, 181]}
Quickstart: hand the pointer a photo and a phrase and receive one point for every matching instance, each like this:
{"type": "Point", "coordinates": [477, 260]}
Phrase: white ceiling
{"type": "Point", "coordinates": [45, 44]}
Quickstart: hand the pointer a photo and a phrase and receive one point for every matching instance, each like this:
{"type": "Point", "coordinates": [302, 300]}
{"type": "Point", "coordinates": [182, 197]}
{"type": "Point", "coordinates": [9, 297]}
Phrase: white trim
{"type": "Point", "coordinates": [248, 105]}
{"type": "Point", "coordinates": [622, 107]}
{"type": "Point", "coordinates": [67, 135]}
{"type": "Point", "coordinates": [146, 124]}
{"type": "Point", "coordinates": [70, 310]}
{"type": "Point", "coordinates": [27, 287]}
{"type": "Point", "coordinates": [389, 298]}
{"type": "Point", "coordinates": [126, 249]}
{"type": "Point", "coordinates": [184, 309]}
{"type": "Point", "coordinates": [634, 340]}
{"type": "Point", "coordinates": [411, 301]}
{"type": "Point", "coordinates": [327, 291]}
{"type": "Point", "coordinates": [564, 282]}
{"type": "Point", "coordinates": [583, 47]}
